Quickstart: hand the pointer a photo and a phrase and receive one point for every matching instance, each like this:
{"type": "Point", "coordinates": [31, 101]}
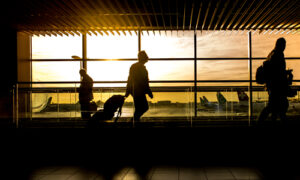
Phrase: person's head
{"type": "Point", "coordinates": [82, 72]}
{"type": "Point", "coordinates": [280, 44]}
{"type": "Point", "coordinates": [143, 57]}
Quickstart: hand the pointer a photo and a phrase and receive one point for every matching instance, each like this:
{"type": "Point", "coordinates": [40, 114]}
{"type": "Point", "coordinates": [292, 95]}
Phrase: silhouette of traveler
{"type": "Point", "coordinates": [85, 94]}
{"type": "Point", "coordinates": [277, 83]}
{"type": "Point", "coordinates": [138, 85]}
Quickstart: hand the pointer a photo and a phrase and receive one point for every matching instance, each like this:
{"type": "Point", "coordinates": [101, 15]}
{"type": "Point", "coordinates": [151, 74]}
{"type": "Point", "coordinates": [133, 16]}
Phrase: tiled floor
{"type": "Point", "coordinates": [155, 173]}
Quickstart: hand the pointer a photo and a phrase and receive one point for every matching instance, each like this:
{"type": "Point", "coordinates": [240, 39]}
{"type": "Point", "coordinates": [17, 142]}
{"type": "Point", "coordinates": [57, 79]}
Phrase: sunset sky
{"type": "Point", "coordinates": [159, 45]}
{"type": "Point", "coordinates": [164, 45]}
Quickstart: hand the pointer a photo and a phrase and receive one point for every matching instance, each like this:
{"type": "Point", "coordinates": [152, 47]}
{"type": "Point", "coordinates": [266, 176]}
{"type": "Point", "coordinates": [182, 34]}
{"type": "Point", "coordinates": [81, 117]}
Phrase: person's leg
{"type": "Point", "coordinates": [274, 104]}
{"type": "Point", "coordinates": [141, 106]}
{"type": "Point", "coordinates": [283, 110]}
{"type": "Point", "coordinates": [264, 114]}
{"type": "Point", "coordinates": [85, 113]}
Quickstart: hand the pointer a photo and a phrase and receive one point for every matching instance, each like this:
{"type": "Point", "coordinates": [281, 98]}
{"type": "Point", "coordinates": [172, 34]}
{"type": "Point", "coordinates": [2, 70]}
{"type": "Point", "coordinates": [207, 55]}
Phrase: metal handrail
{"type": "Point", "coordinates": [163, 59]}
{"type": "Point", "coordinates": [153, 81]}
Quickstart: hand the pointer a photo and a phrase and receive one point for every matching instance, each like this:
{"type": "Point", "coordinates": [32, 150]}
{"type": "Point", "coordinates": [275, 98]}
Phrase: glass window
{"type": "Point", "coordinates": [219, 44]}
{"type": "Point", "coordinates": [109, 70]}
{"type": "Point", "coordinates": [157, 70]}
{"type": "Point", "coordinates": [167, 44]}
{"type": "Point", "coordinates": [294, 64]}
{"type": "Point", "coordinates": [170, 70]}
{"type": "Point", "coordinates": [60, 47]}
{"type": "Point", "coordinates": [227, 102]}
{"type": "Point", "coordinates": [112, 46]}
{"type": "Point", "coordinates": [263, 44]}
{"type": "Point", "coordinates": [222, 70]}
{"type": "Point", "coordinates": [55, 71]}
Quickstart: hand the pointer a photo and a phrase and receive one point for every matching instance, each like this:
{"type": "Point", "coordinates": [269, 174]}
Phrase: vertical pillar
{"type": "Point", "coordinates": [24, 73]}
{"type": "Point", "coordinates": [195, 72]}
{"type": "Point", "coordinates": [83, 63]}
{"type": "Point", "coordinates": [250, 76]}
{"type": "Point", "coordinates": [139, 40]}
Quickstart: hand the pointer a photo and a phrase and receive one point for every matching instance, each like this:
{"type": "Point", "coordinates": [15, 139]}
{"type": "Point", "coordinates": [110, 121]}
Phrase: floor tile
{"type": "Point", "coordinates": [56, 177]}
{"type": "Point", "coordinates": [36, 177]}
{"type": "Point", "coordinates": [65, 170]}
{"type": "Point", "coordinates": [121, 174]}
{"type": "Point", "coordinates": [84, 175]}
{"type": "Point", "coordinates": [245, 173]}
{"type": "Point", "coordinates": [164, 177]}
{"type": "Point", "coordinates": [165, 170]}
{"type": "Point", "coordinates": [191, 174]}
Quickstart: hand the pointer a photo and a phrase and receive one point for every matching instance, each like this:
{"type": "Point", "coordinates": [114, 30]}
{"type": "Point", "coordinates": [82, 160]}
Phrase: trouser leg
{"type": "Point", "coordinates": [264, 114]}
{"type": "Point", "coordinates": [141, 106]}
{"type": "Point", "coordinates": [284, 109]}
{"type": "Point", "coordinates": [85, 113]}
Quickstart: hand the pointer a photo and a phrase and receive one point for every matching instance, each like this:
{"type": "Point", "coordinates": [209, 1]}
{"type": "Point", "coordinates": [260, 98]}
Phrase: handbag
{"type": "Point", "coordinates": [93, 106]}
{"type": "Point", "coordinates": [291, 92]}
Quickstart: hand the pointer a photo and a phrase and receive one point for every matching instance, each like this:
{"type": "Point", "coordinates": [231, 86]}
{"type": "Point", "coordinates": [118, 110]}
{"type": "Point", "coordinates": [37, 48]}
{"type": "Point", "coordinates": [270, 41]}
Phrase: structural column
{"type": "Point", "coordinates": [22, 102]}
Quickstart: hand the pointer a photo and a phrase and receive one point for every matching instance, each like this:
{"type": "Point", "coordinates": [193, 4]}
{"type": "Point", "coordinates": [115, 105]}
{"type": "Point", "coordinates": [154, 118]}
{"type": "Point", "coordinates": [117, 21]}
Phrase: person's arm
{"type": "Point", "coordinates": [129, 84]}
{"type": "Point", "coordinates": [149, 92]}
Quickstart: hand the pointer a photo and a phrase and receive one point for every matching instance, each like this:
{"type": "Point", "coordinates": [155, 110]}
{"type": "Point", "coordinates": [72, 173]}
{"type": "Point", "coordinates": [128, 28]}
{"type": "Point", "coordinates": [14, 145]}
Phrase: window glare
{"type": "Point", "coordinates": [157, 44]}
{"type": "Point", "coordinates": [112, 46]}
{"type": "Point", "coordinates": [55, 71]}
{"type": "Point", "coordinates": [168, 44]}
{"type": "Point", "coordinates": [60, 47]}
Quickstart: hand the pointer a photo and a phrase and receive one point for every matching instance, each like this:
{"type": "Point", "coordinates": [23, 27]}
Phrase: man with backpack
{"type": "Point", "coordinates": [138, 85]}
{"type": "Point", "coordinates": [277, 80]}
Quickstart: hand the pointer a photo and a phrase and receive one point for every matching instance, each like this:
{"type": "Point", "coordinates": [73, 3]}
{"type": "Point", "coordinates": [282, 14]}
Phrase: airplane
{"type": "Point", "coordinates": [242, 106]}
{"type": "Point", "coordinates": [42, 106]}
{"type": "Point", "coordinates": [223, 105]}
{"type": "Point", "coordinates": [47, 106]}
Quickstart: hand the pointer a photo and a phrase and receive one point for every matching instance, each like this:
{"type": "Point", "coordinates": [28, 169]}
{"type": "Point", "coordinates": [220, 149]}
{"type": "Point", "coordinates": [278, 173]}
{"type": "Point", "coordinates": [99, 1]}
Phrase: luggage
{"type": "Point", "coordinates": [111, 106]}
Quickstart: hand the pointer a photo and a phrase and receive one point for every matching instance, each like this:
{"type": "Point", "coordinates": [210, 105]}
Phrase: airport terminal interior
{"type": "Point", "coordinates": [202, 122]}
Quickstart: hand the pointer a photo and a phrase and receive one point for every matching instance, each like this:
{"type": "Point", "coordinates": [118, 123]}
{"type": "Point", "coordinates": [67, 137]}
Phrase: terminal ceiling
{"type": "Point", "coordinates": [73, 17]}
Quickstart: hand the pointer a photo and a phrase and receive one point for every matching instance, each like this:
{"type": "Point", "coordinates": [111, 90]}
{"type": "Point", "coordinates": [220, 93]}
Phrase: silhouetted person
{"type": "Point", "coordinates": [277, 84]}
{"type": "Point", "coordinates": [85, 94]}
{"type": "Point", "coordinates": [138, 85]}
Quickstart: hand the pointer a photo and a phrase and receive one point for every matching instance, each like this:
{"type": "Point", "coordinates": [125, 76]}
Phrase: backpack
{"type": "Point", "coordinates": [261, 75]}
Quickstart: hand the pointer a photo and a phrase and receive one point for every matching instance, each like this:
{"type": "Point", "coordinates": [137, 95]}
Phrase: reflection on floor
{"type": "Point", "coordinates": [154, 173]}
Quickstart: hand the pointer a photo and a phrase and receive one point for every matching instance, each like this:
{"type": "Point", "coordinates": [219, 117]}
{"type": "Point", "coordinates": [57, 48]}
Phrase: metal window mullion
{"type": "Point", "coordinates": [139, 40]}
{"type": "Point", "coordinates": [195, 73]}
{"type": "Point", "coordinates": [250, 76]}
{"type": "Point", "coordinates": [83, 63]}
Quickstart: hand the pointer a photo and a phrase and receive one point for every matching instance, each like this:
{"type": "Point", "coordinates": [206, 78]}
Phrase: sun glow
{"type": "Point", "coordinates": [157, 45]}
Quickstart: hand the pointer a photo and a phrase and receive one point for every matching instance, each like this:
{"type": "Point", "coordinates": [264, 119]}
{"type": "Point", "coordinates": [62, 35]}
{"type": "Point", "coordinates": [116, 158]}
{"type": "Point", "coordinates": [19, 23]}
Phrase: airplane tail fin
{"type": "Point", "coordinates": [243, 97]}
{"type": "Point", "coordinates": [221, 98]}
{"type": "Point", "coordinates": [201, 101]}
{"type": "Point", "coordinates": [204, 100]}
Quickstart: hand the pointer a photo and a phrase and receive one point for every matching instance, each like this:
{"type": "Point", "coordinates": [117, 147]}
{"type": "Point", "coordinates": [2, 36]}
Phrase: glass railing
{"type": "Point", "coordinates": [174, 101]}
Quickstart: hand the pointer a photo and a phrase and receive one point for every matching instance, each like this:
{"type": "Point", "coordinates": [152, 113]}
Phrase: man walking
{"type": "Point", "coordinates": [138, 85]}
{"type": "Point", "coordinates": [277, 83]}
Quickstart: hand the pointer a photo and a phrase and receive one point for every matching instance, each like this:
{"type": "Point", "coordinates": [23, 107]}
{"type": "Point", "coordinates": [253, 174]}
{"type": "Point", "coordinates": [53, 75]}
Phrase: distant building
{"type": "Point", "coordinates": [163, 103]}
